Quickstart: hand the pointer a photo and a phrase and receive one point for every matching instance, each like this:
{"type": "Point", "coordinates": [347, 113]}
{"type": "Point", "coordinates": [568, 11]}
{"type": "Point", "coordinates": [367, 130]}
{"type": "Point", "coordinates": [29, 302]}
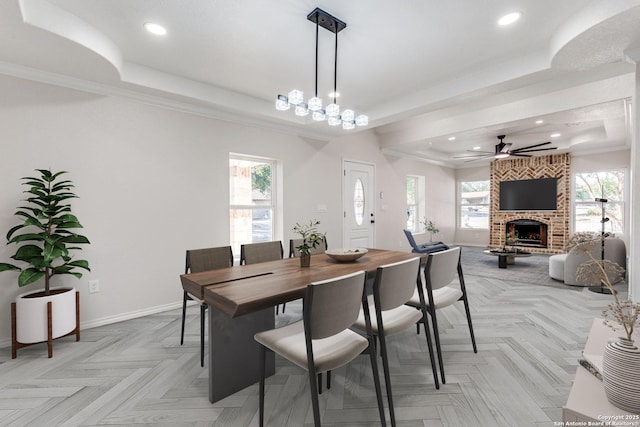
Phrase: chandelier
{"type": "Point", "coordinates": [331, 113]}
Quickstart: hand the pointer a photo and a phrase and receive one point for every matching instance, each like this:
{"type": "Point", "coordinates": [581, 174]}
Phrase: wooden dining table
{"type": "Point", "coordinates": [241, 302]}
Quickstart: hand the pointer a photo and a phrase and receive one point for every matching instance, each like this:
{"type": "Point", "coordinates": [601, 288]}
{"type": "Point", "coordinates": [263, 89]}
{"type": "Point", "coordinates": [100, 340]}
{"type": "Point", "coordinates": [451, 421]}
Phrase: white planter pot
{"type": "Point", "coordinates": [31, 315]}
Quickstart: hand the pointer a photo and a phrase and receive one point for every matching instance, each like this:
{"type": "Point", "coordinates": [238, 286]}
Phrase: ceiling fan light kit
{"type": "Point", "coordinates": [331, 113]}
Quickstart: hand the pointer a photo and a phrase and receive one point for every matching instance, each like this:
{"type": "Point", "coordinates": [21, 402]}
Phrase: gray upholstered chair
{"type": "Point", "coordinates": [441, 270]}
{"type": "Point", "coordinates": [294, 252]}
{"type": "Point", "coordinates": [198, 260]}
{"type": "Point", "coordinates": [563, 267]}
{"type": "Point", "coordinates": [254, 253]}
{"type": "Point", "coordinates": [393, 286]}
{"type": "Point", "coordinates": [322, 340]}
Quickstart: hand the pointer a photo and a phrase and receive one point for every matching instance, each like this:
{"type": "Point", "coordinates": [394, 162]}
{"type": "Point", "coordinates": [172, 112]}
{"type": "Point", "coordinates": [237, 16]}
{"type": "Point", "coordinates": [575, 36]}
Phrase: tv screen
{"type": "Point", "coordinates": [529, 195]}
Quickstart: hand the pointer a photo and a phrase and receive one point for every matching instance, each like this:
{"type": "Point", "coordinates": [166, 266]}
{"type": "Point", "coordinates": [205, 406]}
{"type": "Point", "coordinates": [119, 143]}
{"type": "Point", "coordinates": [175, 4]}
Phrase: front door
{"type": "Point", "coordinates": [358, 202]}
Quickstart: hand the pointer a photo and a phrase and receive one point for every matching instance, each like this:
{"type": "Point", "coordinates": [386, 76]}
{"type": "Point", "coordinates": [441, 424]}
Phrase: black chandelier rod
{"type": "Point", "coordinates": [317, 27]}
{"type": "Point", "coordinates": [335, 71]}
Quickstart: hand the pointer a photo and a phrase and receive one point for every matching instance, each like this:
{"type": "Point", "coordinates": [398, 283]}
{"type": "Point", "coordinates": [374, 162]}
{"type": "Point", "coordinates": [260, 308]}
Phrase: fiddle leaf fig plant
{"type": "Point", "coordinates": [45, 234]}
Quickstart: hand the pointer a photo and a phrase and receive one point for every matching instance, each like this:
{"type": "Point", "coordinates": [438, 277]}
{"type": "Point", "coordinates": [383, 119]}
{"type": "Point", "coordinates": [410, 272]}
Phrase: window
{"type": "Point", "coordinates": [251, 200]}
{"type": "Point", "coordinates": [474, 204]}
{"type": "Point", "coordinates": [587, 213]}
{"type": "Point", "coordinates": [415, 202]}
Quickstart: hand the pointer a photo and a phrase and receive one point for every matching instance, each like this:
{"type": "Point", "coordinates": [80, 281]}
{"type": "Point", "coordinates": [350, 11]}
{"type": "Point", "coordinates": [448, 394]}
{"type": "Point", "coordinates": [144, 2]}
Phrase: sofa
{"type": "Point", "coordinates": [563, 267]}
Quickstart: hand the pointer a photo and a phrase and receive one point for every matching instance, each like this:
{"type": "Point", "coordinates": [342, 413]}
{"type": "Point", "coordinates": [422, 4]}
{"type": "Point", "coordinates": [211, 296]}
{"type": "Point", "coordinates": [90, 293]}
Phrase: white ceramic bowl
{"type": "Point", "coordinates": [346, 254]}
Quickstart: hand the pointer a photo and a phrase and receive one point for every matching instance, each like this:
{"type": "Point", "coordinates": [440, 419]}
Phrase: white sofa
{"type": "Point", "coordinates": [563, 267]}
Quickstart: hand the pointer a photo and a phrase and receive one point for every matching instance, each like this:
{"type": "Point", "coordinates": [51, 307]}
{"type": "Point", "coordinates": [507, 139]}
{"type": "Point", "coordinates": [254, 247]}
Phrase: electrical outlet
{"type": "Point", "coordinates": [94, 286]}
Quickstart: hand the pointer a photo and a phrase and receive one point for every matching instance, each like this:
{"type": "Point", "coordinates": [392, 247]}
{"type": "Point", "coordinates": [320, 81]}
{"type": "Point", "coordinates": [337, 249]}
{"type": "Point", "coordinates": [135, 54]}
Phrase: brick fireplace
{"type": "Point", "coordinates": [539, 231]}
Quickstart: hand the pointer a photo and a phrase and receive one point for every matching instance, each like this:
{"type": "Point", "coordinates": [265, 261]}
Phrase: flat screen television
{"type": "Point", "coordinates": [529, 195]}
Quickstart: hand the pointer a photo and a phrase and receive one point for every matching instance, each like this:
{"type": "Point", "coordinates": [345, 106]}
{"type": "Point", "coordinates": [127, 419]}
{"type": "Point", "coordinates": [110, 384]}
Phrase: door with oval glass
{"type": "Point", "coordinates": [358, 204]}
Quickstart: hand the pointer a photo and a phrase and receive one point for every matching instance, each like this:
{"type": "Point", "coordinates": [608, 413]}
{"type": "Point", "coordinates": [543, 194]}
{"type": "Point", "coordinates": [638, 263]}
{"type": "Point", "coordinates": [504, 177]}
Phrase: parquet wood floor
{"type": "Point", "coordinates": [136, 373]}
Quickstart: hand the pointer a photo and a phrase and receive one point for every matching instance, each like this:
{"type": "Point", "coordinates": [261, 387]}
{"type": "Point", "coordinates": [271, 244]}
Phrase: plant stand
{"type": "Point", "coordinates": [15, 345]}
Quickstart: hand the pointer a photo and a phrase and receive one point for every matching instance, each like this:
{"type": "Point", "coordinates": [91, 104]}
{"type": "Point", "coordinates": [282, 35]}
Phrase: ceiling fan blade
{"type": "Point", "coordinates": [531, 146]}
{"type": "Point", "coordinates": [520, 155]}
{"type": "Point", "coordinates": [473, 157]}
{"type": "Point", "coordinates": [537, 149]}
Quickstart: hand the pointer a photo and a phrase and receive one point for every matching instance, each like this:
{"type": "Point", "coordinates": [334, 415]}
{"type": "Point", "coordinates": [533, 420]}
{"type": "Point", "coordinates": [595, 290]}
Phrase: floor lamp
{"type": "Point", "coordinates": [602, 289]}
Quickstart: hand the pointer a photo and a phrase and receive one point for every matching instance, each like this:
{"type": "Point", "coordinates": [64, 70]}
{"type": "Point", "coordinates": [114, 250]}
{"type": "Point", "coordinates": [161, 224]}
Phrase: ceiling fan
{"type": "Point", "coordinates": [503, 150]}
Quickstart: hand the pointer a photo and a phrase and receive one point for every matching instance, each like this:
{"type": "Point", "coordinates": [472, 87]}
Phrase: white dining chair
{"type": "Point", "coordinates": [393, 286]}
{"type": "Point", "coordinates": [440, 271]}
{"type": "Point", "coordinates": [322, 340]}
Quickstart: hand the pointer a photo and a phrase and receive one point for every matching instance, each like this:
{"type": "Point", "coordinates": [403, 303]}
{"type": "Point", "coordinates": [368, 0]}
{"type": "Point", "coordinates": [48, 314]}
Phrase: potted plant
{"type": "Point", "coordinates": [311, 238]}
{"type": "Point", "coordinates": [510, 239]}
{"type": "Point", "coordinates": [621, 358]}
{"type": "Point", "coordinates": [430, 227]}
{"type": "Point", "coordinates": [45, 240]}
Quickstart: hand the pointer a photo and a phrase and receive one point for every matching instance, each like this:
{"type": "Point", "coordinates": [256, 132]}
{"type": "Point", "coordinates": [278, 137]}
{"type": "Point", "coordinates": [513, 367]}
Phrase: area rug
{"type": "Point", "coordinates": [533, 269]}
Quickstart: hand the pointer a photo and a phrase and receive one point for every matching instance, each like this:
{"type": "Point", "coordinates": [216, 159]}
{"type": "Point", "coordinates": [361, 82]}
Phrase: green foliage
{"type": "Point", "coordinates": [311, 237]}
{"type": "Point", "coordinates": [430, 226]}
{"type": "Point", "coordinates": [46, 231]}
{"type": "Point", "coordinates": [261, 178]}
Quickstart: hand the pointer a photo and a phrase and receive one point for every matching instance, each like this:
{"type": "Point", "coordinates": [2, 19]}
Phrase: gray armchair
{"type": "Point", "coordinates": [563, 267]}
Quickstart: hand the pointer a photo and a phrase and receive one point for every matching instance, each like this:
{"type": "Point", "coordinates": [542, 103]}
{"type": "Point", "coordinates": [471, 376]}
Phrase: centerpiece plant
{"type": "Point", "coordinates": [45, 234]}
{"type": "Point", "coordinates": [311, 238]}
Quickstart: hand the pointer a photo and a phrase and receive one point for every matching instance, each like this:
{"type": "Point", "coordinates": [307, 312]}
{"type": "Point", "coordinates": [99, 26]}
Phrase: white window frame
{"type": "Point", "coordinates": [483, 206]}
{"type": "Point", "coordinates": [272, 206]}
{"type": "Point", "coordinates": [575, 204]}
{"type": "Point", "coordinates": [418, 205]}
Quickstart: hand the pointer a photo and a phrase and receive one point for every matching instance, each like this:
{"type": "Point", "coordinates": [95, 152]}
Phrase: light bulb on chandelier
{"type": "Point", "coordinates": [331, 112]}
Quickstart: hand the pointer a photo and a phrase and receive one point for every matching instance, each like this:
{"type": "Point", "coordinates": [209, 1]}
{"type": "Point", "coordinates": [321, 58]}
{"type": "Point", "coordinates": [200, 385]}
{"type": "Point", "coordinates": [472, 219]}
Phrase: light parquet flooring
{"type": "Point", "coordinates": [135, 373]}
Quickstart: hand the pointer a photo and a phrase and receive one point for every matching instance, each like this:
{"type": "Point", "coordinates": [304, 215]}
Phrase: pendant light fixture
{"type": "Point", "coordinates": [331, 112]}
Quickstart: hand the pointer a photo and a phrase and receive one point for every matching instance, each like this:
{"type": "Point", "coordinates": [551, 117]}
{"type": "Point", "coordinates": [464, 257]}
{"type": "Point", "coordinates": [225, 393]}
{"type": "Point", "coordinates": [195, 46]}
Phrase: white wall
{"type": "Point", "coordinates": [153, 182]}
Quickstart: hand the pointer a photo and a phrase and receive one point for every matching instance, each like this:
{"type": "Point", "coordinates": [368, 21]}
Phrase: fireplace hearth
{"type": "Point", "coordinates": [531, 233]}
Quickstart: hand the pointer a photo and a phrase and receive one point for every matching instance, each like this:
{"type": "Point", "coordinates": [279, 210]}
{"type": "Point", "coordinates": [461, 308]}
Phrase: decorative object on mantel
{"type": "Point", "coordinates": [430, 226]}
{"type": "Point", "coordinates": [46, 232]}
{"type": "Point", "coordinates": [621, 358]}
{"type": "Point", "coordinates": [331, 112]}
{"type": "Point", "coordinates": [311, 238]}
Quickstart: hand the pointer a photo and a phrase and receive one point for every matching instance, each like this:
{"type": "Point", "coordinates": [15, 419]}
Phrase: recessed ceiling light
{"type": "Point", "coordinates": [554, 135]}
{"type": "Point", "coordinates": [539, 122]}
{"type": "Point", "coordinates": [476, 148]}
{"type": "Point", "coordinates": [509, 18]}
{"type": "Point", "coordinates": [334, 94]}
{"type": "Point", "coordinates": [452, 138]}
{"type": "Point", "coordinates": [156, 29]}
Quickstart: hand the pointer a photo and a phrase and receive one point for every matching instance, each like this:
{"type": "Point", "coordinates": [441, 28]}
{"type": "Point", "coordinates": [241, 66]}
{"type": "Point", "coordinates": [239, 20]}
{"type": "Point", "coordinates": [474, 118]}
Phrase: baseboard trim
{"type": "Point", "coordinates": [119, 318]}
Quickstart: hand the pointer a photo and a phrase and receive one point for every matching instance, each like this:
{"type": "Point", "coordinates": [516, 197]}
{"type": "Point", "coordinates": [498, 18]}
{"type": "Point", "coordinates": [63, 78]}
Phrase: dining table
{"type": "Point", "coordinates": [241, 301]}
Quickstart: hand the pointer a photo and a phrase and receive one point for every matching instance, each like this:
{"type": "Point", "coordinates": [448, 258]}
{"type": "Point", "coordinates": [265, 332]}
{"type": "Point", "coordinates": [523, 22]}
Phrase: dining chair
{"type": "Point", "coordinates": [393, 286]}
{"type": "Point", "coordinates": [198, 260]}
{"type": "Point", "coordinates": [322, 340]}
{"type": "Point", "coordinates": [439, 273]}
{"type": "Point", "coordinates": [294, 252]}
{"type": "Point", "coordinates": [254, 253]}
